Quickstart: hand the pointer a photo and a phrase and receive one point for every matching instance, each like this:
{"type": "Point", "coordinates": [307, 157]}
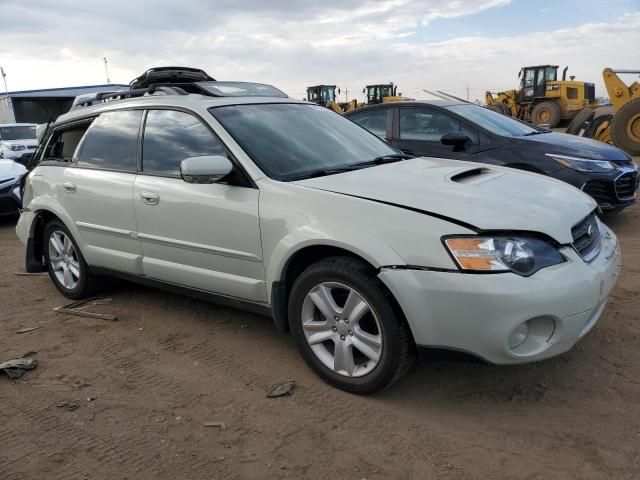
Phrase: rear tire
{"type": "Point", "coordinates": [348, 327]}
{"type": "Point", "coordinates": [625, 127]}
{"type": "Point", "coordinates": [595, 124]}
{"type": "Point", "coordinates": [67, 268]}
{"type": "Point", "coordinates": [546, 113]}
{"type": "Point", "coordinates": [583, 115]}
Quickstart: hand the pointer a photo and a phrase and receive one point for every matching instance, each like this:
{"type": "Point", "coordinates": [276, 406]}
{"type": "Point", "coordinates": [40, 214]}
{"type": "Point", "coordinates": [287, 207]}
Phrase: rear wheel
{"type": "Point", "coordinates": [625, 127]}
{"type": "Point", "coordinates": [67, 268]}
{"type": "Point", "coordinates": [546, 113]}
{"type": "Point", "coordinates": [348, 327]}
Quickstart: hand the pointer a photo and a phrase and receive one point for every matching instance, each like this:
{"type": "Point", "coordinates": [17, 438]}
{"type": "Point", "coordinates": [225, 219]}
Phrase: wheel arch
{"type": "Point", "coordinates": [288, 262]}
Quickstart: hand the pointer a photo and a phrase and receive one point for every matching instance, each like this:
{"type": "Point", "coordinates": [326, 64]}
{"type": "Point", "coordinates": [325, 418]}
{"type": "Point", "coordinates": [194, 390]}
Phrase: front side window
{"type": "Point", "coordinates": [430, 125]}
{"type": "Point", "coordinates": [21, 132]}
{"type": "Point", "coordinates": [529, 78]}
{"type": "Point", "coordinates": [171, 136]}
{"type": "Point", "coordinates": [290, 141]}
{"type": "Point", "coordinates": [375, 121]}
{"type": "Point", "coordinates": [111, 143]}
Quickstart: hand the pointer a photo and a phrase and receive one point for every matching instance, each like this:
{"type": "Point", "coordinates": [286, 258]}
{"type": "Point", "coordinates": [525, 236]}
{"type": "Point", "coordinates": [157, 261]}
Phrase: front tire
{"type": "Point", "coordinates": [66, 265]}
{"type": "Point", "coordinates": [348, 327]}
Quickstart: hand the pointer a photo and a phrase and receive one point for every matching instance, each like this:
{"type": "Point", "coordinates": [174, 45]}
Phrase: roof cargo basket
{"type": "Point", "coordinates": [168, 75]}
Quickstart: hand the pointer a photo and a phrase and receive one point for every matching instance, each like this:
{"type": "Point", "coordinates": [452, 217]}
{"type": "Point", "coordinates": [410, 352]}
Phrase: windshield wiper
{"type": "Point", "coordinates": [322, 172]}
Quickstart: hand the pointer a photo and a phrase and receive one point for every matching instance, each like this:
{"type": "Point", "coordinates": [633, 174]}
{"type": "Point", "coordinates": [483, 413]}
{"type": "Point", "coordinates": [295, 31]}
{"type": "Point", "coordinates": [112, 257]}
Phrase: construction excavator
{"type": "Point", "coordinates": [542, 98]}
{"type": "Point", "coordinates": [618, 124]}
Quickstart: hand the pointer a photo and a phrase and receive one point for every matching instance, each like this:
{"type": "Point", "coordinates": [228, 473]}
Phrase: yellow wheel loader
{"type": "Point", "coordinates": [542, 98]}
{"type": "Point", "coordinates": [383, 93]}
{"type": "Point", "coordinates": [619, 123]}
{"type": "Point", "coordinates": [325, 95]}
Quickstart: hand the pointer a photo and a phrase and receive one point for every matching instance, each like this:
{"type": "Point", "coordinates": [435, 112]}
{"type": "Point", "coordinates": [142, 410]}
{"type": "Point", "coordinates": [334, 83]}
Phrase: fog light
{"type": "Point", "coordinates": [518, 336]}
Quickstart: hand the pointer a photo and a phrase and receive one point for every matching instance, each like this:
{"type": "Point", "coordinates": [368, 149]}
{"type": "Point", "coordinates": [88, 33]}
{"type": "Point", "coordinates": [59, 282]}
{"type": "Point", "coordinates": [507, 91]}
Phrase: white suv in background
{"type": "Point", "coordinates": [244, 196]}
{"type": "Point", "coordinates": [17, 141]}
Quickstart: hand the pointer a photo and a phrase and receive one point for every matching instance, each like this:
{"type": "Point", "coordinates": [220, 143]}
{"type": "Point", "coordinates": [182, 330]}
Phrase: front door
{"type": "Point", "coordinates": [420, 130]}
{"type": "Point", "coordinates": [204, 236]}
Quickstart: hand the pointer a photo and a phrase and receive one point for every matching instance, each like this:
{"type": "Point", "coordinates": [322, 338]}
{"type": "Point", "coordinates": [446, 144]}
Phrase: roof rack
{"type": "Point", "coordinates": [102, 97]}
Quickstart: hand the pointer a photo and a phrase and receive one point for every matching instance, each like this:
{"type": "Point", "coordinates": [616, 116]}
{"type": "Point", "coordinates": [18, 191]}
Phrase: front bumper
{"type": "Point", "coordinates": [10, 200]}
{"type": "Point", "coordinates": [478, 313]}
{"type": "Point", "coordinates": [612, 190]}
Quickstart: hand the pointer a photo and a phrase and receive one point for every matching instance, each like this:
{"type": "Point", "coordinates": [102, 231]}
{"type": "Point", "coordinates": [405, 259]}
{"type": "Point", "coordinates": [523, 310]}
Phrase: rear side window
{"type": "Point", "coordinates": [111, 142]}
{"type": "Point", "coordinates": [375, 121]}
{"type": "Point", "coordinates": [64, 142]}
{"type": "Point", "coordinates": [171, 136]}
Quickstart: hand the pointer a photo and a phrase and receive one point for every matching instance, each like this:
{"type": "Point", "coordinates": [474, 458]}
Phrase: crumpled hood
{"type": "Point", "coordinates": [10, 169]}
{"type": "Point", "coordinates": [483, 196]}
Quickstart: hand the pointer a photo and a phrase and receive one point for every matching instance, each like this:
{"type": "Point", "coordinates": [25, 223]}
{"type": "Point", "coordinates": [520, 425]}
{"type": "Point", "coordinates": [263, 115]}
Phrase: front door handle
{"type": "Point", "coordinates": [150, 198]}
{"type": "Point", "coordinates": [69, 187]}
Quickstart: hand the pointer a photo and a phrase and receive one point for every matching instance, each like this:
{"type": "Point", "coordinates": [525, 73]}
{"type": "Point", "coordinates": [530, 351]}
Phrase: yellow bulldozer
{"type": "Point", "coordinates": [619, 123]}
{"type": "Point", "coordinates": [542, 98]}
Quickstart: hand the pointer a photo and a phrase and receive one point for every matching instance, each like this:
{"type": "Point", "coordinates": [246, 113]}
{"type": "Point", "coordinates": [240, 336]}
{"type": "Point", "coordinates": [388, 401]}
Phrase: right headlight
{"type": "Point", "coordinates": [583, 164]}
{"type": "Point", "coordinates": [497, 253]}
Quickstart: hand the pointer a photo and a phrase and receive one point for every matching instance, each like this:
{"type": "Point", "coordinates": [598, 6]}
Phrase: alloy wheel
{"type": "Point", "coordinates": [64, 261]}
{"type": "Point", "coordinates": [342, 329]}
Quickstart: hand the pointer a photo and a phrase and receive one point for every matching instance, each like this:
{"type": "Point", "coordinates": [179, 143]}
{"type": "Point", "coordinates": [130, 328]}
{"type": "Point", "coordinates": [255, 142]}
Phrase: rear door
{"type": "Point", "coordinates": [419, 130]}
{"type": "Point", "coordinates": [96, 190]}
{"type": "Point", "coordinates": [204, 236]}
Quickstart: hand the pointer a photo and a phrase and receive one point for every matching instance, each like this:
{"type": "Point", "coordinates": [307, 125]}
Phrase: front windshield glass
{"type": "Point", "coordinates": [328, 94]}
{"type": "Point", "coordinates": [18, 133]}
{"type": "Point", "coordinates": [291, 141]}
{"type": "Point", "coordinates": [493, 121]}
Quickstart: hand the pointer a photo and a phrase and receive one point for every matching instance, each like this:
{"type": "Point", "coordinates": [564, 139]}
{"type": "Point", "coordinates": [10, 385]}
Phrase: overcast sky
{"type": "Point", "coordinates": [432, 44]}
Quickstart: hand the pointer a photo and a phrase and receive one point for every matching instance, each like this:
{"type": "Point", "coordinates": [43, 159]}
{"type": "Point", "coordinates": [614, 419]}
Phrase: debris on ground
{"type": "Point", "coordinates": [91, 398]}
{"type": "Point", "coordinates": [78, 309]}
{"type": "Point", "coordinates": [281, 389]}
{"type": "Point", "coordinates": [26, 330]}
{"type": "Point", "coordinates": [68, 406]}
{"type": "Point", "coordinates": [220, 425]}
{"type": "Point", "coordinates": [16, 367]}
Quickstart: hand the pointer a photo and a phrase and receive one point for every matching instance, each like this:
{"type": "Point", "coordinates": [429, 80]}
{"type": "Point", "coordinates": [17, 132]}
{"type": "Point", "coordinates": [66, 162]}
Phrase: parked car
{"type": "Point", "coordinates": [464, 131]}
{"type": "Point", "coordinates": [289, 209]}
{"type": "Point", "coordinates": [18, 141]}
{"type": "Point", "coordinates": [11, 174]}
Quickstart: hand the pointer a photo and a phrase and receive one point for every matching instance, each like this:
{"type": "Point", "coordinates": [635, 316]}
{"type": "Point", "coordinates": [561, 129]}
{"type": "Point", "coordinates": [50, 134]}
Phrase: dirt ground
{"type": "Point", "coordinates": [171, 364]}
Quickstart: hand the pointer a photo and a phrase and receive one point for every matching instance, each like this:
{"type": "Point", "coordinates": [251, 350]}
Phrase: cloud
{"type": "Point", "coordinates": [292, 45]}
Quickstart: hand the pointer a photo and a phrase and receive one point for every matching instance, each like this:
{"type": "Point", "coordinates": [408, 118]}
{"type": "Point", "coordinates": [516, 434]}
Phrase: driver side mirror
{"type": "Point", "coordinates": [206, 169]}
{"type": "Point", "coordinates": [457, 140]}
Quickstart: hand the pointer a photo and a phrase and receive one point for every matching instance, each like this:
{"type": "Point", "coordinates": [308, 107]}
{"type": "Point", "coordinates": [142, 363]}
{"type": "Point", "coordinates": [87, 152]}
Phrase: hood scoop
{"type": "Point", "coordinates": [474, 174]}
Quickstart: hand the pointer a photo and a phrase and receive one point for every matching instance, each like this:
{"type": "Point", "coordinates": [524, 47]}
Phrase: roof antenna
{"type": "Point", "coordinates": [106, 69]}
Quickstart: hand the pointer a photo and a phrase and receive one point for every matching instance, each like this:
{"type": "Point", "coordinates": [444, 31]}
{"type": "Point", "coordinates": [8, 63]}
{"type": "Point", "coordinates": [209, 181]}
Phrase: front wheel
{"type": "Point", "coordinates": [67, 268]}
{"type": "Point", "coordinates": [347, 326]}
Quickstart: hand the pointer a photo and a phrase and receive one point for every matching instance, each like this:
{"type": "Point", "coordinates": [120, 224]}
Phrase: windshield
{"type": "Point", "coordinates": [493, 121]}
{"type": "Point", "coordinates": [328, 94]}
{"type": "Point", "coordinates": [288, 141]}
{"type": "Point", "coordinates": [18, 133]}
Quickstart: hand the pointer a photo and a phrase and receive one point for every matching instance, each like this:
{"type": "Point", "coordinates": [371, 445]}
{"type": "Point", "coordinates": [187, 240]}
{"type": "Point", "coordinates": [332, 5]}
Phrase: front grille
{"type": "Point", "coordinates": [626, 185]}
{"type": "Point", "coordinates": [601, 190]}
{"type": "Point", "coordinates": [590, 92]}
{"type": "Point", "coordinates": [587, 238]}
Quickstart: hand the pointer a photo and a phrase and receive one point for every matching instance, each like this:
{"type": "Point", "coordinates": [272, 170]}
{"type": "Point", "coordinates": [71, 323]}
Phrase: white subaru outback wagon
{"type": "Point", "coordinates": [244, 196]}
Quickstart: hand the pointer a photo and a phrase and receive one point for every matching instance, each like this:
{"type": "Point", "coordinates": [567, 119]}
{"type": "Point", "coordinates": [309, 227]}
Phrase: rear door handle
{"type": "Point", "coordinates": [150, 198]}
{"type": "Point", "coordinates": [69, 187]}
